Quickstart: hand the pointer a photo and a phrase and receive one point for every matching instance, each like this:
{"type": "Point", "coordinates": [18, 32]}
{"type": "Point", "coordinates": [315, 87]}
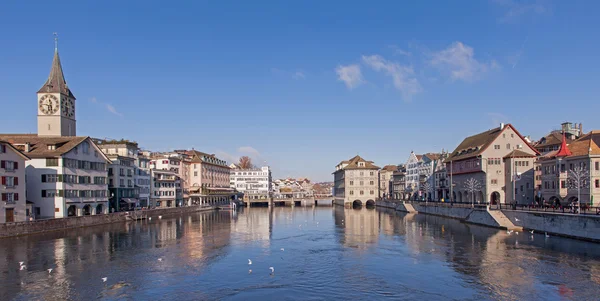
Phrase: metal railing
{"type": "Point", "coordinates": [568, 209]}
{"type": "Point", "coordinates": [450, 204]}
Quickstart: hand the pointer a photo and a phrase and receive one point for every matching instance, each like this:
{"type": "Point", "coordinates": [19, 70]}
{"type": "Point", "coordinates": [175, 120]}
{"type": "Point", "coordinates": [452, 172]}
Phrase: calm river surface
{"type": "Point", "coordinates": [319, 253]}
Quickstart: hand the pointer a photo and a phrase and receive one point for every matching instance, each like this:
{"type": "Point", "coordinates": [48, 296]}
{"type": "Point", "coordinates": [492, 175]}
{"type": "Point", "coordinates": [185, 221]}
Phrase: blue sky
{"type": "Point", "coordinates": [303, 85]}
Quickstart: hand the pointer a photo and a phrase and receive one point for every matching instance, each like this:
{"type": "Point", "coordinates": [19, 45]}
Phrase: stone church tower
{"type": "Point", "coordinates": [56, 104]}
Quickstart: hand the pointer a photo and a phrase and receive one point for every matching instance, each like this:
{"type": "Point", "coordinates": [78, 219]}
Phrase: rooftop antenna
{"type": "Point", "coordinates": [55, 41]}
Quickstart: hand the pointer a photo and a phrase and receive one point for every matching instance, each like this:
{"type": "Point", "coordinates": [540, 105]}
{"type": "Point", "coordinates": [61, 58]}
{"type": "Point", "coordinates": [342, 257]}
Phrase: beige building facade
{"type": "Point", "coordinates": [355, 182]}
{"type": "Point", "coordinates": [13, 206]}
{"type": "Point", "coordinates": [499, 160]}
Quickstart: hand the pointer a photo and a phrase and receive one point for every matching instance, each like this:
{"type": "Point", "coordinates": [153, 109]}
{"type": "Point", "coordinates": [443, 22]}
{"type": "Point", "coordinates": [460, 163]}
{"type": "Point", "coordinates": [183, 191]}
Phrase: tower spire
{"type": "Point", "coordinates": [55, 42]}
{"type": "Point", "coordinates": [56, 82]}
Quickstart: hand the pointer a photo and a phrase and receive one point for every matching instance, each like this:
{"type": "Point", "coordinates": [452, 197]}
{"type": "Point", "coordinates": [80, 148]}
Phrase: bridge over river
{"type": "Point", "coordinates": [315, 200]}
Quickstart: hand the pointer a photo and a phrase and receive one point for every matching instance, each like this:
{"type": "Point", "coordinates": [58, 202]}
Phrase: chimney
{"type": "Point", "coordinates": [501, 125]}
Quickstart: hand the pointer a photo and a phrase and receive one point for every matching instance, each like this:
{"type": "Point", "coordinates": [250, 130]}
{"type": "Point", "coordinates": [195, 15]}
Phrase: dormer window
{"type": "Point", "coordinates": [361, 164]}
{"type": "Point", "coordinates": [53, 147]}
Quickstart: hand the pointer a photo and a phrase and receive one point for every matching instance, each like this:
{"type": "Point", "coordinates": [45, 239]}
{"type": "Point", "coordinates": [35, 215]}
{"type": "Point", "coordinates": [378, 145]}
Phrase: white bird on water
{"type": "Point", "coordinates": [160, 217]}
{"type": "Point", "coordinates": [282, 249]}
{"type": "Point", "coordinates": [272, 270]}
{"type": "Point", "coordinates": [249, 262]}
{"type": "Point", "coordinates": [21, 263]}
{"type": "Point", "coordinates": [160, 259]}
{"type": "Point", "coordinates": [547, 235]}
{"type": "Point", "coordinates": [23, 267]}
{"type": "Point", "coordinates": [104, 279]}
{"type": "Point", "coordinates": [150, 218]}
{"type": "Point", "coordinates": [517, 220]}
{"type": "Point", "coordinates": [531, 231]}
{"type": "Point", "coordinates": [49, 271]}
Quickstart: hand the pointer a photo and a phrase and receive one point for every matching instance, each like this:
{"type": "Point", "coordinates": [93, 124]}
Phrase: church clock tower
{"type": "Point", "coordinates": [56, 103]}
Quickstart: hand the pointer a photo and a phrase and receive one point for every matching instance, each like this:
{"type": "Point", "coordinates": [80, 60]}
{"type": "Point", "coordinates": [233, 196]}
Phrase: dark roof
{"type": "Point", "coordinates": [390, 168]}
{"type": "Point", "coordinates": [16, 150]}
{"type": "Point", "coordinates": [474, 145]}
{"type": "Point", "coordinates": [353, 164]}
{"type": "Point", "coordinates": [56, 82]}
{"type": "Point", "coordinates": [517, 153]}
{"type": "Point", "coordinates": [553, 138]}
{"type": "Point", "coordinates": [38, 146]}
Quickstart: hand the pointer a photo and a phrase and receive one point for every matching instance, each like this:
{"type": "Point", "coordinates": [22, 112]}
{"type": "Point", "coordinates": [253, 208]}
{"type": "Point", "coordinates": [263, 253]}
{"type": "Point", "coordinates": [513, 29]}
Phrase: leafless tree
{"type": "Point", "coordinates": [472, 186]}
{"type": "Point", "coordinates": [427, 188]}
{"type": "Point", "coordinates": [245, 162]}
{"type": "Point", "coordinates": [579, 178]}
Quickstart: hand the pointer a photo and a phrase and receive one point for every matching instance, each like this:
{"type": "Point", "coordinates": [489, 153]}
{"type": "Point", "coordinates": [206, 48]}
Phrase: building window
{"type": "Point", "coordinates": [351, 192]}
{"type": "Point", "coordinates": [508, 146]}
{"type": "Point", "coordinates": [372, 173]}
{"type": "Point", "coordinates": [51, 162]}
{"type": "Point", "coordinates": [496, 146]}
{"type": "Point", "coordinates": [362, 183]}
{"type": "Point", "coordinates": [494, 181]}
{"type": "Point", "coordinates": [372, 192]}
{"type": "Point", "coordinates": [597, 165]}
{"type": "Point", "coordinates": [563, 184]}
{"type": "Point", "coordinates": [372, 183]}
{"type": "Point", "coordinates": [597, 183]}
{"type": "Point", "coordinates": [351, 183]}
{"type": "Point", "coordinates": [362, 173]}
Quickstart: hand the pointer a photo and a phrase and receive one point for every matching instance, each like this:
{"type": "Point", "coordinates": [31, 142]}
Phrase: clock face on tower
{"type": "Point", "coordinates": [68, 108]}
{"type": "Point", "coordinates": [48, 104]}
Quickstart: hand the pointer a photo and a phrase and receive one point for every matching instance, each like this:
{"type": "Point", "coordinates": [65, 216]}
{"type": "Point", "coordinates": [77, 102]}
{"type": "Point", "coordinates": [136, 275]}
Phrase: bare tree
{"type": "Point", "coordinates": [427, 188]}
{"type": "Point", "coordinates": [472, 186]}
{"type": "Point", "coordinates": [245, 162]}
{"type": "Point", "coordinates": [579, 178]}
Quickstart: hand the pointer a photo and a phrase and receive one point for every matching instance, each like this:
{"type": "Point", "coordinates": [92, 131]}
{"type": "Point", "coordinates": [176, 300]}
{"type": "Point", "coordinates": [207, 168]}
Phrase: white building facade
{"type": "Point", "coordinates": [12, 188]}
{"type": "Point", "coordinates": [256, 182]}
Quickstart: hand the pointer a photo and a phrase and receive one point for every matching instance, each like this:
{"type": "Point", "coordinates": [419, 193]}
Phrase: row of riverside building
{"type": "Point", "coordinates": [497, 166]}
{"type": "Point", "coordinates": [55, 173]}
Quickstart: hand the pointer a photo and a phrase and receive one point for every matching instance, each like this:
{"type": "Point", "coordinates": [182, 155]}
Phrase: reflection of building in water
{"type": "Point", "coordinates": [361, 226]}
{"type": "Point", "coordinates": [254, 223]}
{"type": "Point", "coordinates": [206, 234]}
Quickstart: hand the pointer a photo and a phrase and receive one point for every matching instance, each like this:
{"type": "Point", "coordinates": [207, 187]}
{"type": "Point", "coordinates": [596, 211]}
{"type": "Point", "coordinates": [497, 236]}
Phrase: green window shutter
{"type": "Point", "coordinates": [61, 193]}
{"type": "Point", "coordinates": [59, 178]}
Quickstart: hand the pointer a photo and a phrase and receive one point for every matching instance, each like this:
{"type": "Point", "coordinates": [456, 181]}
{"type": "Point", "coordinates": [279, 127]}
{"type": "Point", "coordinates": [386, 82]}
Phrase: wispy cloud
{"type": "Point", "coordinates": [399, 51]}
{"type": "Point", "coordinates": [403, 77]}
{"type": "Point", "coordinates": [514, 60]}
{"type": "Point", "coordinates": [517, 9]}
{"type": "Point", "coordinates": [249, 150]}
{"type": "Point", "coordinates": [108, 107]}
{"type": "Point", "coordinates": [350, 75]}
{"type": "Point", "coordinates": [112, 109]}
{"type": "Point", "coordinates": [298, 74]}
{"type": "Point", "coordinates": [458, 60]}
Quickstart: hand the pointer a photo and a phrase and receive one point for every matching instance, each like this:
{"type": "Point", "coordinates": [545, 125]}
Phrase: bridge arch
{"type": "Point", "coordinates": [495, 198]}
{"type": "Point", "coordinates": [357, 203]}
{"type": "Point", "coordinates": [370, 204]}
{"type": "Point", "coordinates": [87, 210]}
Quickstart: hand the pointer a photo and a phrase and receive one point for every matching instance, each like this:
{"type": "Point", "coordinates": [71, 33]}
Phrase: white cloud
{"type": "Point", "coordinates": [93, 100]}
{"type": "Point", "coordinates": [403, 77]}
{"type": "Point", "coordinates": [458, 60]}
{"type": "Point", "coordinates": [112, 109]}
{"type": "Point", "coordinates": [248, 150]}
{"type": "Point", "coordinates": [299, 75]}
{"type": "Point", "coordinates": [517, 9]}
{"type": "Point", "coordinates": [350, 75]}
{"type": "Point", "coordinates": [226, 156]}
{"type": "Point", "coordinates": [400, 51]}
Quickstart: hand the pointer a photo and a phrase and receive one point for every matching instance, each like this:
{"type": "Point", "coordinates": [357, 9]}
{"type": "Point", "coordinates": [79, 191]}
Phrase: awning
{"type": "Point", "coordinates": [129, 201]}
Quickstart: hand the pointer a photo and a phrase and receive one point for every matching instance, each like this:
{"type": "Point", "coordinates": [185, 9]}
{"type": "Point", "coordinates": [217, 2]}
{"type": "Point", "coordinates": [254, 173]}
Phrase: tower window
{"type": "Point", "coordinates": [48, 126]}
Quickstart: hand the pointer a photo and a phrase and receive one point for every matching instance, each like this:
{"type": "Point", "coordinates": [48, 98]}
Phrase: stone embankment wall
{"type": "Point", "coordinates": [387, 204]}
{"type": "Point", "coordinates": [585, 227]}
{"type": "Point", "coordinates": [23, 228]}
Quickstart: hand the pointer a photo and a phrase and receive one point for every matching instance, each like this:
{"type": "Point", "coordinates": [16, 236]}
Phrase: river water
{"type": "Point", "coordinates": [319, 253]}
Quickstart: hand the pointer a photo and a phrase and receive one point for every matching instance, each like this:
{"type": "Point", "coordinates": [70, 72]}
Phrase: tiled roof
{"type": "Point", "coordinates": [432, 156]}
{"type": "Point", "coordinates": [419, 157]}
{"type": "Point", "coordinates": [474, 145]}
{"type": "Point", "coordinates": [16, 150]}
{"type": "Point", "coordinates": [586, 144]}
{"type": "Point", "coordinates": [517, 153]}
{"type": "Point", "coordinates": [390, 168]}
{"type": "Point", "coordinates": [56, 82]}
{"type": "Point", "coordinates": [38, 146]}
{"type": "Point", "coordinates": [353, 164]}
{"type": "Point", "coordinates": [553, 138]}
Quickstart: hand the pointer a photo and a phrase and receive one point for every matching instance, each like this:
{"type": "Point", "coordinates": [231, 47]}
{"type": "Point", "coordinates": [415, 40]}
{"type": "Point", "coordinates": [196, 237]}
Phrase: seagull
{"type": "Point", "coordinates": [249, 271]}
{"type": "Point", "coordinates": [282, 249]}
{"type": "Point", "coordinates": [150, 218]}
{"type": "Point", "coordinates": [21, 263]}
{"type": "Point", "coordinates": [517, 220]}
{"type": "Point", "coordinates": [49, 271]}
{"type": "Point", "coordinates": [517, 233]}
{"type": "Point", "coordinates": [249, 262]}
{"type": "Point", "coordinates": [272, 270]}
{"type": "Point", "coordinates": [23, 267]}
{"type": "Point", "coordinates": [160, 259]}
{"type": "Point", "coordinates": [508, 232]}
{"type": "Point", "coordinates": [531, 231]}
{"type": "Point", "coordinates": [104, 279]}
{"type": "Point", "coordinates": [547, 235]}
{"type": "Point", "coordinates": [160, 217]}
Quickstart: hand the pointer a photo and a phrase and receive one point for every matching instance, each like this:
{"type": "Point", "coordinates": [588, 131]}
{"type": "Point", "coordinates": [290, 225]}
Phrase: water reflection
{"type": "Point", "coordinates": [329, 253]}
